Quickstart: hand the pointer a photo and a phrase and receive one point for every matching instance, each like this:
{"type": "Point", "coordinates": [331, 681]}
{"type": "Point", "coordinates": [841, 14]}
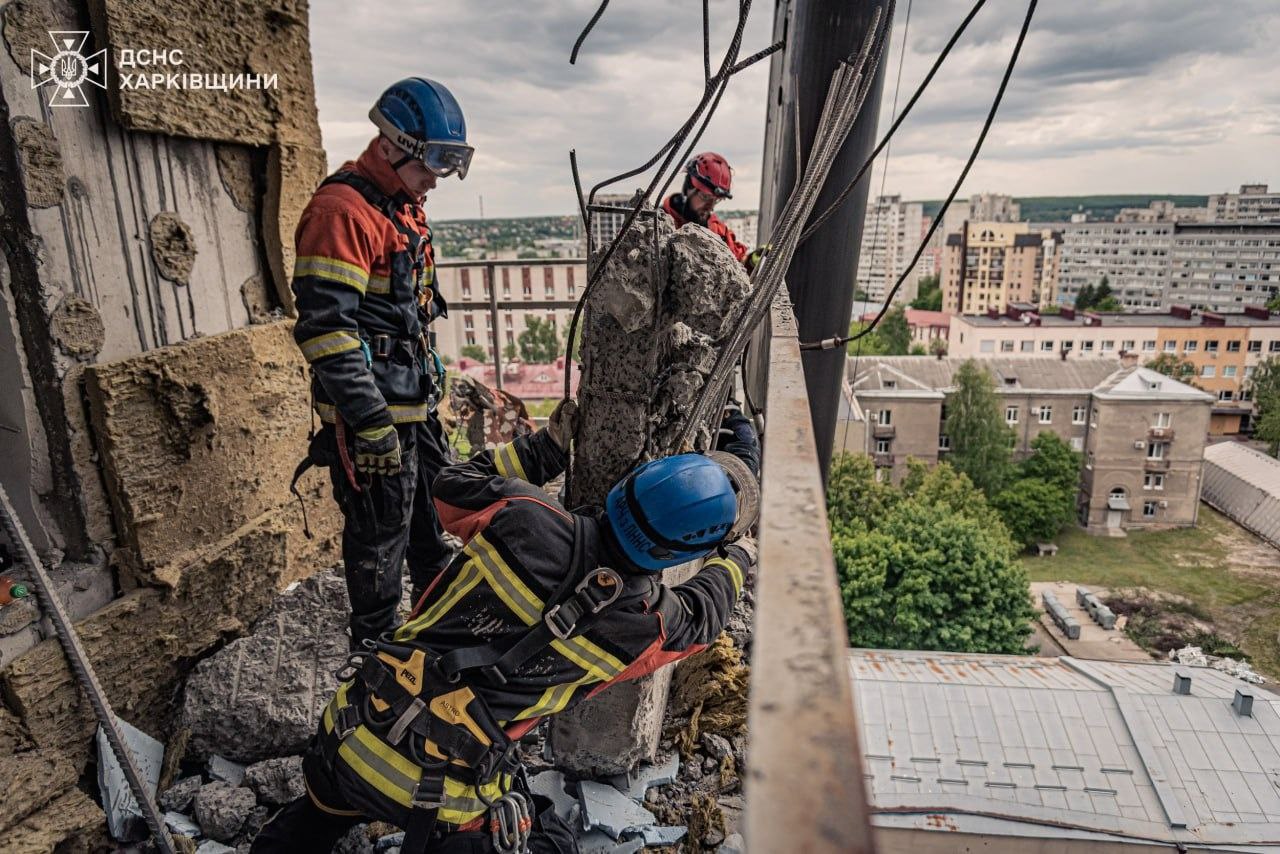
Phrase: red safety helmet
{"type": "Point", "coordinates": [710, 173]}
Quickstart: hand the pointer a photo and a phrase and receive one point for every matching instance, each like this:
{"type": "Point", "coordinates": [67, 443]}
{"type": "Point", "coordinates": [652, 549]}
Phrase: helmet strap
{"type": "Point", "coordinates": [402, 161]}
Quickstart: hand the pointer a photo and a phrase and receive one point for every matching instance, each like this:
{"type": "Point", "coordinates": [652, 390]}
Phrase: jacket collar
{"type": "Point", "coordinates": [372, 165]}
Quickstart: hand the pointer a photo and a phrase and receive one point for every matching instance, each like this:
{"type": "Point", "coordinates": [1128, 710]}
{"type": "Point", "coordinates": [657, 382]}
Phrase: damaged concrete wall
{"type": "Point", "coordinates": [651, 335]}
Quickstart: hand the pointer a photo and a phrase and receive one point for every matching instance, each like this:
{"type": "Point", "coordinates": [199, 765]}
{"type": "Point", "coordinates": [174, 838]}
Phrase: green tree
{"type": "Point", "coordinates": [1265, 385]}
{"type": "Point", "coordinates": [1034, 510]}
{"type": "Point", "coordinates": [1053, 462]}
{"type": "Point", "coordinates": [943, 486]}
{"type": "Point", "coordinates": [928, 578]}
{"type": "Point", "coordinates": [475, 351]}
{"type": "Point", "coordinates": [539, 342]}
{"type": "Point", "coordinates": [928, 295]}
{"type": "Point", "coordinates": [509, 352]}
{"type": "Point", "coordinates": [937, 347]}
{"type": "Point", "coordinates": [1273, 304]}
{"type": "Point", "coordinates": [871, 344]}
{"type": "Point", "coordinates": [918, 349]}
{"type": "Point", "coordinates": [1085, 299]}
{"type": "Point", "coordinates": [1173, 365]}
{"type": "Point", "coordinates": [1051, 309]}
{"type": "Point", "coordinates": [855, 499]}
{"type": "Point", "coordinates": [979, 437]}
{"type": "Point", "coordinates": [895, 332]}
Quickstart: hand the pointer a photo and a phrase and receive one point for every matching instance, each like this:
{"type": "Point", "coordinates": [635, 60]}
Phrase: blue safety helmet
{"type": "Point", "coordinates": [672, 510]}
{"type": "Point", "coordinates": [424, 121]}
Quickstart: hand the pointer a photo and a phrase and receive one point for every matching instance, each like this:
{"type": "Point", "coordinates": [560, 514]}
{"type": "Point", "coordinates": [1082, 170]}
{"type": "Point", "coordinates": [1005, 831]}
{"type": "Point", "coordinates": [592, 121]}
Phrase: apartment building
{"type": "Point", "coordinates": [992, 264]}
{"type": "Point", "coordinates": [890, 237]}
{"type": "Point", "coordinates": [993, 207]}
{"type": "Point", "coordinates": [1141, 434]}
{"type": "Point", "coordinates": [1223, 348]}
{"type": "Point", "coordinates": [925, 326]}
{"type": "Point", "coordinates": [467, 289]}
{"type": "Point", "coordinates": [1254, 202]}
{"type": "Point", "coordinates": [1133, 257]}
{"type": "Point", "coordinates": [605, 225]}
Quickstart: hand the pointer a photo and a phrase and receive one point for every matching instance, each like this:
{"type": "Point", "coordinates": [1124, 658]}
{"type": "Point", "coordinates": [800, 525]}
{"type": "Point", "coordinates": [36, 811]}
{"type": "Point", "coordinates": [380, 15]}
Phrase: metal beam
{"type": "Point", "coordinates": [818, 35]}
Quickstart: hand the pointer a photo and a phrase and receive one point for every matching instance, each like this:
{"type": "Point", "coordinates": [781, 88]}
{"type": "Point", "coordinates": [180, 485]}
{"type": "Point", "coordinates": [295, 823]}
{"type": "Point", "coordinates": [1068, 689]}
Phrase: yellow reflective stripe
{"type": "Point", "coordinates": [734, 572]}
{"type": "Point", "coordinates": [554, 699]}
{"type": "Point", "coordinates": [507, 461]}
{"type": "Point", "coordinates": [379, 285]}
{"type": "Point", "coordinates": [339, 700]}
{"type": "Point", "coordinates": [467, 578]}
{"type": "Point", "coordinates": [401, 413]}
{"type": "Point", "coordinates": [528, 607]}
{"type": "Point", "coordinates": [332, 269]}
{"type": "Point", "coordinates": [461, 804]}
{"type": "Point", "coordinates": [329, 344]}
{"type": "Point", "coordinates": [371, 770]}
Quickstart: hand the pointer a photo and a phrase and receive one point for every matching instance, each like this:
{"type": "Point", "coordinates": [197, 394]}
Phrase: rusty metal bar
{"type": "Point", "coordinates": [804, 781]}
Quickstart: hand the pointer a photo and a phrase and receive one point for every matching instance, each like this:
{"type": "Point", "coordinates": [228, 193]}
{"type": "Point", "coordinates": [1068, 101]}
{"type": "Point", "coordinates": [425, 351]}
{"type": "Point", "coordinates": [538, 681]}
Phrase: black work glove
{"type": "Point", "coordinates": [378, 450]}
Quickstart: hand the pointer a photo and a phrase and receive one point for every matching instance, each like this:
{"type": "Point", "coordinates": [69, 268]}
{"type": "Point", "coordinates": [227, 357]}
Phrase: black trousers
{"type": "Point", "coordinates": [391, 520]}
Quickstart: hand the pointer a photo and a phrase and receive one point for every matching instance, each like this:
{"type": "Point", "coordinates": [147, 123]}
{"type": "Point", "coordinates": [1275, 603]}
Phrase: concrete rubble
{"type": "Point", "coordinates": [276, 782]}
{"type": "Point", "coordinates": [124, 817]}
{"type": "Point", "coordinates": [221, 809]}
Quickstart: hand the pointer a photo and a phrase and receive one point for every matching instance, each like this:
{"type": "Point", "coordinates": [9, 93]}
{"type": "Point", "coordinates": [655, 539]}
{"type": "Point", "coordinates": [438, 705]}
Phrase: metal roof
{"type": "Point", "coordinates": [1045, 747]}
{"type": "Point", "coordinates": [1244, 484]}
{"type": "Point", "coordinates": [1014, 374]}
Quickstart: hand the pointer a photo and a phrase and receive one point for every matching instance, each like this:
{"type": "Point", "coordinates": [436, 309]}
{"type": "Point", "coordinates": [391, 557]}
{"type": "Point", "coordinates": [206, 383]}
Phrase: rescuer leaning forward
{"type": "Point", "coordinates": [365, 291]}
{"type": "Point", "coordinates": [707, 181]}
{"type": "Point", "coordinates": [540, 610]}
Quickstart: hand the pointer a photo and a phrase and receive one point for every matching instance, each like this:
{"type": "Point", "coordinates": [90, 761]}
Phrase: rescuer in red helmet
{"type": "Point", "coordinates": [706, 183]}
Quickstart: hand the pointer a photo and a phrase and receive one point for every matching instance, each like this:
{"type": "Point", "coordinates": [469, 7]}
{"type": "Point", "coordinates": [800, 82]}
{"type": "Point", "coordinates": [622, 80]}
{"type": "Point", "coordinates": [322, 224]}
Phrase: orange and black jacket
{"type": "Point", "coordinates": [518, 545]}
{"type": "Point", "coordinates": [675, 207]}
{"type": "Point", "coordinates": [364, 288]}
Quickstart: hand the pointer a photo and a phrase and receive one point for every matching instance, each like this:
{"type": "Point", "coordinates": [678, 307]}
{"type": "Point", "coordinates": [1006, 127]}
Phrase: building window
{"type": "Point", "coordinates": [1108, 345]}
{"type": "Point", "coordinates": [1152, 481]}
{"type": "Point", "coordinates": [1226, 395]}
{"type": "Point", "coordinates": [1086, 346]}
{"type": "Point", "coordinates": [1006, 346]}
{"type": "Point", "coordinates": [465, 275]}
{"type": "Point", "coordinates": [1011, 415]}
{"type": "Point", "coordinates": [1046, 414]}
{"type": "Point", "coordinates": [1148, 346]}
{"type": "Point", "coordinates": [1078, 413]}
{"type": "Point", "coordinates": [1126, 346]}
{"type": "Point", "coordinates": [1067, 345]}
{"type": "Point", "coordinates": [1246, 394]}
{"type": "Point", "coordinates": [885, 417]}
{"type": "Point", "coordinates": [1248, 371]}
{"type": "Point", "coordinates": [987, 346]}
{"type": "Point", "coordinates": [1211, 346]}
{"type": "Point", "coordinates": [471, 338]}
{"type": "Point", "coordinates": [548, 282]}
{"type": "Point", "coordinates": [1233, 346]}
{"type": "Point", "coordinates": [1162, 420]}
{"type": "Point", "coordinates": [944, 442]}
{"type": "Point", "coordinates": [1155, 451]}
{"type": "Point", "coordinates": [1028, 346]}
{"type": "Point", "coordinates": [1255, 346]}
{"type": "Point", "coordinates": [1189, 346]}
{"type": "Point", "coordinates": [1274, 347]}
{"type": "Point", "coordinates": [1148, 510]}
{"type": "Point", "coordinates": [1208, 371]}
{"type": "Point", "coordinates": [468, 322]}
{"type": "Point", "coordinates": [487, 283]}
{"type": "Point", "coordinates": [1077, 443]}
{"type": "Point", "coordinates": [1046, 346]}
{"type": "Point", "coordinates": [1170, 346]}
{"type": "Point", "coordinates": [1118, 492]}
{"type": "Point", "coordinates": [511, 336]}
{"type": "Point", "coordinates": [1228, 370]}
{"type": "Point", "coordinates": [573, 287]}
{"type": "Point", "coordinates": [506, 283]}
{"type": "Point", "coordinates": [882, 446]}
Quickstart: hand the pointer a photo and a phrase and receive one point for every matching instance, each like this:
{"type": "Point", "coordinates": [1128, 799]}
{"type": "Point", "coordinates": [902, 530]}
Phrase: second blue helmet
{"type": "Point", "coordinates": [423, 119]}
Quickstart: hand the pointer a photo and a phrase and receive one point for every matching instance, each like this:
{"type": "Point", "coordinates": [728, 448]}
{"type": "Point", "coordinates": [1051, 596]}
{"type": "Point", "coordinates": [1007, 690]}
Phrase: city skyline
{"type": "Point", "coordinates": [1175, 97]}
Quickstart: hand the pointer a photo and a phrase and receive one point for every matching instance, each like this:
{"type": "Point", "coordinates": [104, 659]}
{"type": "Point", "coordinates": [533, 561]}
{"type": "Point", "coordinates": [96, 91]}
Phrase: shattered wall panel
{"type": "Point", "coordinates": [293, 173]}
{"type": "Point", "coordinates": [71, 822]}
{"type": "Point", "coordinates": [200, 439]}
{"type": "Point", "coordinates": [226, 38]}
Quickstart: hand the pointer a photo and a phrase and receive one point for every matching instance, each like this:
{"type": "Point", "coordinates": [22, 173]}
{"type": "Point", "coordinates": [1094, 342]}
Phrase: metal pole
{"type": "Point", "coordinates": [819, 34]}
{"type": "Point", "coordinates": [490, 273]}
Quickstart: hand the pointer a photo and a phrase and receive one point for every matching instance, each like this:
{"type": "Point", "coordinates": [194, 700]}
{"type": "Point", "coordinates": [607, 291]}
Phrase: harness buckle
{"type": "Point", "coordinates": [346, 721]}
{"type": "Point", "coordinates": [402, 724]}
{"type": "Point", "coordinates": [607, 579]}
{"type": "Point", "coordinates": [429, 800]}
{"type": "Point", "coordinates": [380, 345]}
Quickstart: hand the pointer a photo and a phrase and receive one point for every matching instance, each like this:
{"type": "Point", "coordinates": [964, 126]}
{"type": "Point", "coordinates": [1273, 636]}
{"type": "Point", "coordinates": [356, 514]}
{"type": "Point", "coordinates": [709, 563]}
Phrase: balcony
{"type": "Point", "coordinates": [1160, 434]}
{"type": "Point", "coordinates": [1150, 464]}
{"type": "Point", "coordinates": [882, 431]}
{"type": "Point", "coordinates": [882, 460]}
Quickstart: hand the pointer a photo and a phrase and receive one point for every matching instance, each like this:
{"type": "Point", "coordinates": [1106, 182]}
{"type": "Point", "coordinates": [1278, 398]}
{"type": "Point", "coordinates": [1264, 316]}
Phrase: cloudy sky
{"type": "Point", "coordinates": [1109, 96]}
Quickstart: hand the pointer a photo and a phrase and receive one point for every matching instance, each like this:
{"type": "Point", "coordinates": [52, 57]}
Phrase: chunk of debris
{"type": "Point", "coordinates": [598, 842]}
{"type": "Point", "coordinates": [221, 809]}
{"type": "Point", "coordinates": [662, 835]}
{"type": "Point", "coordinates": [225, 770]}
{"type": "Point", "coordinates": [607, 809]}
{"type": "Point", "coordinates": [733, 844]}
{"type": "Point", "coordinates": [645, 777]}
{"type": "Point", "coordinates": [391, 840]}
{"type": "Point", "coordinates": [211, 846]}
{"type": "Point", "coordinates": [173, 247]}
{"type": "Point", "coordinates": [182, 825]}
{"type": "Point", "coordinates": [551, 785]}
{"type": "Point", "coordinates": [124, 817]}
{"type": "Point", "coordinates": [276, 782]}
{"type": "Point", "coordinates": [717, 746]}
{"type": "Point", "coordinates": [177, 798]}
{"type": "Point", "coordinates": [260, 696]}
{"type": "Point", "coordinates": [41, 159]}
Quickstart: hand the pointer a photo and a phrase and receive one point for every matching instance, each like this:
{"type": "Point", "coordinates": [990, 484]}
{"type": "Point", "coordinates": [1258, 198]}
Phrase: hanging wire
{"type": "Point", "coordinates": [831, 343]}
{"type": "Point", "coordinates": [582, 37]}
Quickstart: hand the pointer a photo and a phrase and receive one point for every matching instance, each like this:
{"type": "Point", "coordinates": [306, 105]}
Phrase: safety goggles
{"type": "Point", "coordinates": [446, 158]}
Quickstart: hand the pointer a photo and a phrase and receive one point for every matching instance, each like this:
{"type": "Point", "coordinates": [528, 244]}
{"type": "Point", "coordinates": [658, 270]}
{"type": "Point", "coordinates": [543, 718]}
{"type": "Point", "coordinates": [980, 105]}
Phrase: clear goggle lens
{"type": "Point", "coordinates": [445, 160]}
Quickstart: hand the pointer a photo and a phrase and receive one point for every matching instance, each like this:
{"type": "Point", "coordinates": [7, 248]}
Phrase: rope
{"type": "Point", "coordinates": [582, 37]}
{"type": "Point", "coordinates": [831, 343]}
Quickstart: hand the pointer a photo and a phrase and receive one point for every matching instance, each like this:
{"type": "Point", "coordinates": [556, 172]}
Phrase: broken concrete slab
{"type": "Point", "coordinates": [221, 809]}
{"type": "Point", "coordinates": [14, 737]}
{"type": "Point", "coordinates": [646, 776]}
{"type": "Point", "coordinates": [221, 419]}
{"type": "Point", "coordinates": [662, 834]}
{"type": "Point", "coordinates": [260, 697]}
{"type": "Point", "coordinates": [551, 784]}
{"type": "Point", "coordinates": [173, 247]}
{"type": "Point", "coordinates": [277, 781]}
{"type": "Point", "coordinates": [125, 820]}
{"type": "Point", "coordinates": [293, 173]}
{"type": "Point", "coordinates": [177, 798]}
{"type": "Point", "coordinates": [235, 169]}
{"type": "Point", "coordinates": [43, 178]}
{"type": "Point", "coordinates": [607, 809]}
{"type": "Point", "coordinates": [71, 822]}
{"type": "Point", "coordinates": [389, 842]}
{"type": "Point", "coordinates": [182, 825]}
{"type": "Point", "coordinates": [223, 769]}
{"type": "Point", "coordinates": [716, 746]}
{"type": "Point", "coordinates": [733, 844]}
{"type": "Point", "coordinates": [212, 846]}
{"type": "Point", "coordinates": [31, 781]}
{"type": "Point", "coordinates": [599, 842]}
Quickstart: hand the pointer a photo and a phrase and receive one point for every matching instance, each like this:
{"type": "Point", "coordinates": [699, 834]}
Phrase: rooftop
{"type": "Point", "coordinates": [1127, 319]}
{"type": "Point", "coordinates": [1250, 465]}
{"type": "Point", "coordinates": [917, 317]}
{"type": "Point", "coordinates": [1066, 748]}
{"type": "Point", "coordinates": [1146, 384]}
{"type": "Point", "coordinates": [909, 374]}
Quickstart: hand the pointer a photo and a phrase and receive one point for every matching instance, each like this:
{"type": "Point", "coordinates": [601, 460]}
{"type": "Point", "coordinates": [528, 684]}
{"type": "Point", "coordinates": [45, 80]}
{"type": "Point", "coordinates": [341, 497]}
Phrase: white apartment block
{"type": "Point", "coordinates": [1133, 257]}
{"type": "Point", "coordinates": [1224, 266]}
{"type": "Point", "coordinates": [605, 225]}
{"type": "Point", "coordinates": [890, 237]}
{"type": "Point", "coordinates": [1254, 203]}
{"type": "Point", "coordinates": [993, 207]}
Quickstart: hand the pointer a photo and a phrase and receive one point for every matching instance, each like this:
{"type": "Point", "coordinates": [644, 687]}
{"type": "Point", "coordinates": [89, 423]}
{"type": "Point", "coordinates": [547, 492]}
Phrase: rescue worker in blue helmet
{"type": "Point", "coordinates": [542, 608]}
{"type": "Point", "coordinates": [365, 290]}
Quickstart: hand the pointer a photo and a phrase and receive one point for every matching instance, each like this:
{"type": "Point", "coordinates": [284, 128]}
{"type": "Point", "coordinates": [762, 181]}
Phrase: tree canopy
{"type": "Point", "coordinates": [928, 295]}
{"type": "Point", "coordinates": [539, 342]}
{"type": "Point", "coordinates": [475, 351]}
{"type": "Point", "coordinates": [1265, 385]}
{"type": "Point", "coordinates": [1173, 365]}
{"type": "Point", "coordinates": [979, 438]}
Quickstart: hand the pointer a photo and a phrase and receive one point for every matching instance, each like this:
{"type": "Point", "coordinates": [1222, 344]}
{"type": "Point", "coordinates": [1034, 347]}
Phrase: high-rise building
{"type": "Point", "coordinates": [605, 225]}
{"type": "Point", "coordinates": [890, 237]}
{"type": "Point", "coordinates": [993, 207]}
{"type": "Point", "coordinates": [1254, 203]}
{"type": "Point", "coordinates": [1162, 210]}
{"type": "Point", "coordinates": [1132, 257]}
{"type": "Point", "coordinates": [990, 265]}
